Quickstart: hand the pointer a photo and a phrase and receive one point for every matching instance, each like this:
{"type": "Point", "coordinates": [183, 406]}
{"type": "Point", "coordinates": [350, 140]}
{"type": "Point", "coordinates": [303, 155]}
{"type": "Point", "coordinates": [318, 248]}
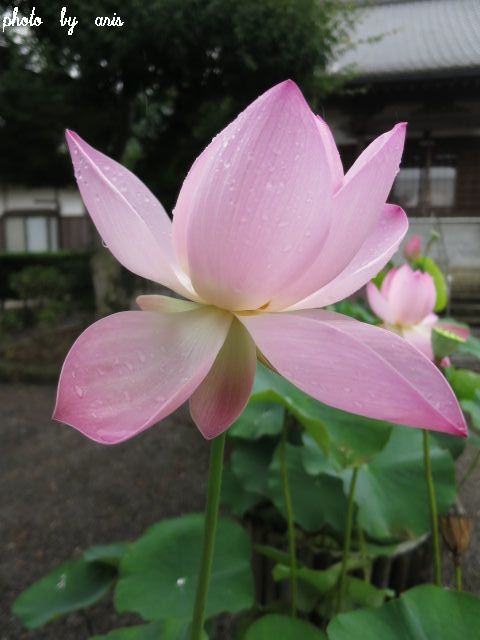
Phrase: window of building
{"type": "Point", "coordinates": [407, 187]}
{"type": "Point", "coordinates": [31, 232]}
{"type": "Point", "coordinates": [435, 188]}
{"type": "Point", "coordinates": [442, 186]}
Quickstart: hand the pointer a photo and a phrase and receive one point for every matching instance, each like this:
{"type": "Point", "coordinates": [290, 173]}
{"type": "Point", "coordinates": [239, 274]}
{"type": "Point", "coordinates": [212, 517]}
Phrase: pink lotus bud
{"type": "Point", "coordinates": [413, 248]}
{"type": "Point", "coordinates": [405, 303]}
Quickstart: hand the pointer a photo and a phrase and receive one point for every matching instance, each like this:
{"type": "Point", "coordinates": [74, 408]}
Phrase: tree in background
{"type": "Point", "coordinates": [153, 92]}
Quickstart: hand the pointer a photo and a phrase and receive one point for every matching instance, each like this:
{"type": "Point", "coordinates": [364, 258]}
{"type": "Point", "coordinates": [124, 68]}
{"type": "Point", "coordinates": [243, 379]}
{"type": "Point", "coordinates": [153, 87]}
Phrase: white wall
{"type": "Point", "coordinates": [67, 201]}
{"type": "Point", "coordinates": [459, 243]}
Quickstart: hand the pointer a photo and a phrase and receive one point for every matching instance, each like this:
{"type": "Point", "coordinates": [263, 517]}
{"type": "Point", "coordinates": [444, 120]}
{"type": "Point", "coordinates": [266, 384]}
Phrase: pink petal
{"type": "Point", "coordinates": [357, 367]}
{"type": "Point", "coordinates": [378, 304]}
{"type": "Point", "coordinates": [333, 157]}
{"type": "Point", "coordinates": [373, 255]}
{"type": "Point", "coordinates": [222, 396]}
{"type": "Point", "coordinates": [387, 282]}
{"type": "Point", "coordinates": [420, 337]}
{"type": "Point", "coordinates": [357, 210]}
{"type": "Point", "coordinates": [430, 321]}
{"type": "Point", "coordinates": [411, 295]}
{"type": "Point", "coordinates": [165, 304]}
{"type": "Point", "coordinates": [128, 217]}
{"type": "Point", "coordinates": [413, 248]}
{"type": "Point", "coordinates": [257, 207]}
{"type": "Point", "coordinates": [129, 370]}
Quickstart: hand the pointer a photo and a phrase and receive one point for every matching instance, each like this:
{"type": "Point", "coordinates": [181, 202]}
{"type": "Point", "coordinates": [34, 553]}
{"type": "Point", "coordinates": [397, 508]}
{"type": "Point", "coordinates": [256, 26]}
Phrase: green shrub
{"type": "Point", "coordinates": [72, 275]}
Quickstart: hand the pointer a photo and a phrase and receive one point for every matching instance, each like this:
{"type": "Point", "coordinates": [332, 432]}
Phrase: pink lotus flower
{"type": "Point", "coordinates": [413, 248]}
{"type": "Point", "coordinates": [266, 228]}
{"type": "Point", "coordinates": [405, 302]}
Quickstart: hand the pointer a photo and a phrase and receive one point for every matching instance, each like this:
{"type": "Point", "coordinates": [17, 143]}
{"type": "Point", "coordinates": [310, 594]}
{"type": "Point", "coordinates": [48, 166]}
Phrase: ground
{"type": "Point", "coordinates": [61, 493]}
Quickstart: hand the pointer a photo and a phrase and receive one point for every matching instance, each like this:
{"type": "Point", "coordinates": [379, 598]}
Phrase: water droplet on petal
{"type": "Point", "coordinates": [79, 391]}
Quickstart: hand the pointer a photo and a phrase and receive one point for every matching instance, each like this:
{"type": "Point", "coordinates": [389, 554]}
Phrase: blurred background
{"type": "Point", "coordinates": [151, 94]}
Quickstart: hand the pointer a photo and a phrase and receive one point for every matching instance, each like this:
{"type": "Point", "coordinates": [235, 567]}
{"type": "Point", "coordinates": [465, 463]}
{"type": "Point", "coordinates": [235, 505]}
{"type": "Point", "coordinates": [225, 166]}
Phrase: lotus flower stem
{"type": "Point", "coordinates": [347, 540]}
{"type": "Point", "coordinates": [433, 508]}
{"type": "Point", "coordinates": [211, 516]}
{"type": "Point", "coordinates": [290, 522]}
{"type": "Point", "coordinates": [363, 552]}
{"type": "Point", "coordinates": [458, 576]}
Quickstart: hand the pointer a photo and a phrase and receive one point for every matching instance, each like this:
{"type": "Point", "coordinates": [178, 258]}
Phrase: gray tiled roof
{"type": "Point", "coordinates": [414, 37]}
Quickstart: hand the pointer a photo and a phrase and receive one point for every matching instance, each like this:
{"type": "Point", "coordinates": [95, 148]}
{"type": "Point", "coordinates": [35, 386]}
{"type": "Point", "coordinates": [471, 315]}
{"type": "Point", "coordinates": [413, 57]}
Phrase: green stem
{"type": "Point", "coordinates": [433, 508]}
{"type": "Point", "coordinates": [469, 471]}
{"type": "Point", "coordinates": [292, 552]}
{"type": "Point", "coordinates": [211, 517]}
{"type": "Point", "coordinates": [346, 542]}
{"type": "Point", "coordinates": [458, 576]}
{"type": "Point", "coordinates": [363, 552]}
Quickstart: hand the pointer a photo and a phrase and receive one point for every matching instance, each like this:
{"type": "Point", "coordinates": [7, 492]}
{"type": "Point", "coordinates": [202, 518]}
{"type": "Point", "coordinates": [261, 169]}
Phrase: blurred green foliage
{"type": "Point", "coordinates": [51, 275]}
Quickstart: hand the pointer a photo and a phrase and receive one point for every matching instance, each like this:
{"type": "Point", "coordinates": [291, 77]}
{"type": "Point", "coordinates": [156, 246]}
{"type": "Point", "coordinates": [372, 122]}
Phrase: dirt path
{"type": "Point", "coordinates": [61, 493]}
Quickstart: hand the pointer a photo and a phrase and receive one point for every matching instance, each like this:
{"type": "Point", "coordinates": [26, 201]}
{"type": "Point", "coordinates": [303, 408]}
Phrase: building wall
{"type": "Point", "coordinates": [43, 219]}
{"type": "Point", "coordinates": [458, 246]}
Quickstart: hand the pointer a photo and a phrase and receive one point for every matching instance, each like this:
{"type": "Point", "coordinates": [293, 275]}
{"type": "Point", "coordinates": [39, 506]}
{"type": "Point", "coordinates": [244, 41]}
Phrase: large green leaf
{"type": "Point", "coordinates": [314, 459]}
{"type": "Point", "coordinates": [270, 387]}
{"type": "Point", "coordinates": [106, 553]}
{"type": "Point", "coordinates": [322, 580]}
{"type": "Point", "coordinates": [250, 461]}
{"type": "Point", "coordinates": [348, 438]}
{"type": "Point", "coordinates": [259, 419]}
{"type": "Point", "coordinates": [423, 613]}
{"type": "Point", "coordinates": [323, 586]}
{"type": "Point", "coordinates": [471, 346]}
{"type": "Point", "coordinates": [284, 628]}
{"type": "Point", "coordinates": [355, 310]}
{"type": "Point", "coordinates": [453, 444]}
{"type": "Point", "coordinates": [465, 383]}
{"type": "Point", "coordinates": [473, 408]}
{"type": "Point", "coordinates": [235, 497]}
{"type": "Point", "coordinates": [354, 440]}
{"type": "Point", "coordinates": [318, 501]}
{"type": "Point", "coordinates": [159, 572]}
{"type": "Point", "coordinates": [74, 585]}
{"type": "Point", "coordinates": [161, 630]}
{"type": "Point", "coordinates": [430, 266]}
{"type": "Point", "coordinates": [391, 491]}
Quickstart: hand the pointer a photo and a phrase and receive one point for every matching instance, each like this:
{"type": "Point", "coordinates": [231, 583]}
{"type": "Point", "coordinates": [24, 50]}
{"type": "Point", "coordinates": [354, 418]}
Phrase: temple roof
{"type": "Point", "coordinates": [412, 38]}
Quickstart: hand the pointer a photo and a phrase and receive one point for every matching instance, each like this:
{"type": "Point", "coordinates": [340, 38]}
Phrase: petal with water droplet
{"type": "Point", "coordinates": [325, 353]}
{"type": "Point", "coordinates": [372, 256]}
{"type": "Point", "coordinates": [130, 220]}
{"type": "Point", "coordinates": [133, 392]}
{"type": "Point", "coordinates": [357, 210]}
{"type": "Point", "coordinates": [268, 166]}
{"type": "Point", "coordinates": [334, 160]}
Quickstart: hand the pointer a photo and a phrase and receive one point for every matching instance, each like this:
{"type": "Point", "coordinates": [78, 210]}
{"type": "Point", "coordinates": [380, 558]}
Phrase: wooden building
{"type": "Point", "coordinates": [40, 220]}
{"type": "Point", "coordinates": [419, 61]}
